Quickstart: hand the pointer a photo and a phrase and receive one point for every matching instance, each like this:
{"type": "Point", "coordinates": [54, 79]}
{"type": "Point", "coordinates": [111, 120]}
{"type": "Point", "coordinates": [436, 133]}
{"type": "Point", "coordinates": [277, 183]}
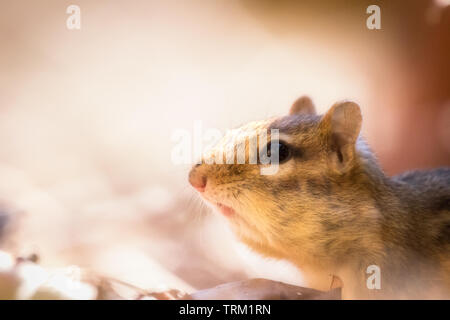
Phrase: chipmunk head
{"type": "Point", "coordinates": [314, 153]}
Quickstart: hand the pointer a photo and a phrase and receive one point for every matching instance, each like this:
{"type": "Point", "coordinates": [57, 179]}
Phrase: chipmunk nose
{"type": "Point", "coordinates": [197, 179]}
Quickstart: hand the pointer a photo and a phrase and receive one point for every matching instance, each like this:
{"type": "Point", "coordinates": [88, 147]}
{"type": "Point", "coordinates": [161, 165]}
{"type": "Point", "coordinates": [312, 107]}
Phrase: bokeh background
{"type": "Point", "coordinates": [86, 117]}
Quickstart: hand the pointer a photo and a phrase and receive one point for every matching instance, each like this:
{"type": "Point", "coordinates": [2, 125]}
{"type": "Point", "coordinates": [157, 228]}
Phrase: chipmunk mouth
{"type": "Point", "coordinates": [225, 210]}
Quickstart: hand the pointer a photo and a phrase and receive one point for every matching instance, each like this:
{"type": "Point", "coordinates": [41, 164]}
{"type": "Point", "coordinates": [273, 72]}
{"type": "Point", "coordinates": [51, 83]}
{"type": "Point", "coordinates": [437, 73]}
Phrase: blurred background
{"type": "Point", "coordinates": [86, 117]}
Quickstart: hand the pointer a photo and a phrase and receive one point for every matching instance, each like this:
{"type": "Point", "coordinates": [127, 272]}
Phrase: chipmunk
{"type": "Point", "coordinates": [330, 209]}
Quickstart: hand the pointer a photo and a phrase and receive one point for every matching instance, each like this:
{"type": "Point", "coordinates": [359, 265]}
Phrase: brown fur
{"type": "Point", "coordinates": [331, 210]}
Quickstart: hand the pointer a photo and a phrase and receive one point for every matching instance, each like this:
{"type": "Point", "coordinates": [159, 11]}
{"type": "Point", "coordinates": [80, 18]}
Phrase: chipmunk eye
{"type": "Point", "coordinates": [284, 152]}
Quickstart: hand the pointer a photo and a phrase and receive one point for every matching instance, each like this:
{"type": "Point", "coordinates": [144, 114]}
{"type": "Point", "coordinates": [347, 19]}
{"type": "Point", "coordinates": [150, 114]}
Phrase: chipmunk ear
{"type": "Point", "coordinates": [302, 105]}
{"type": "Point", "coordinates": [341, 126]}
